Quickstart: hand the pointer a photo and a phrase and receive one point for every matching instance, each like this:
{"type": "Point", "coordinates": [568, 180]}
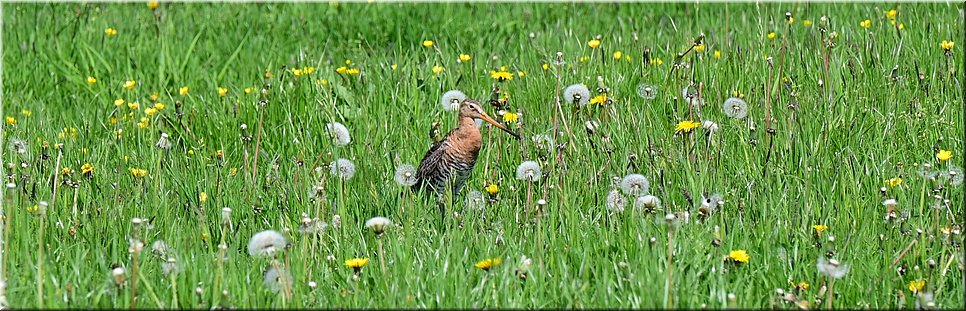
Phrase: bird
{"type": "Point", "coordinates": [450, 161]}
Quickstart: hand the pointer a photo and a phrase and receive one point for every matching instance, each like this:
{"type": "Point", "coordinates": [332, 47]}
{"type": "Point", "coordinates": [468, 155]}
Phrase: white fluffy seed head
{"type": "Point", "coordinates": [635, 185]}
{"type": "Point", "coordinates": [378, 224]}
{"type": "Point", "coordinates": [890, 203]}
{"type": "Point", "coordinates": [735, 108]}
{"type": "Point", "coordinates": [343, 168]}
{"type": "Point", "coordinates": [405, 175]}
{"type": "Point", "coordinates": [647, 91]}
{"type": "Point", "coordinates": [616, 201]}
{"type": "Point", "coordinates": [339, 133]}
{"type": "Point", "coordinates": [647, 202]}
{"type": "Point", "coordinates": [529, 171]}
{"type": "Point", "coordinates": [577, 94]}
{"type": "Point", "coordinates": [832, 268]}
{"type": "Point", "coordinates": [276, 278]}
{"type": "Point", "coordinates": [451, 100]}
{"type": "Point", "coordinates": [266, 243]}
{"type": "Point", "coordinates": [475, 200]}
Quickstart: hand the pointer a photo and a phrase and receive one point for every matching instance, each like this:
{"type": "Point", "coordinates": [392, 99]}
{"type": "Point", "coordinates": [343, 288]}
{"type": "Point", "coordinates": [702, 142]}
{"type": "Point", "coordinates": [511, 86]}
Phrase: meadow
{"type": "Point", "coordinates": [746, 155]}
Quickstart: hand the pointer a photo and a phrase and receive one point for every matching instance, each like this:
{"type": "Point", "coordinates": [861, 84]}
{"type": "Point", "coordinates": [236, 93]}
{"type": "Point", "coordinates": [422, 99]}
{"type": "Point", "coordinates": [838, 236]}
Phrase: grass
{"type": "Point", "coordinates": [841, 123]}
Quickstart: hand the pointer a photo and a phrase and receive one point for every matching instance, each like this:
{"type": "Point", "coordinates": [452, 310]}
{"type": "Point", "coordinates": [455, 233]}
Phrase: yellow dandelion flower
{"type": "Point", "coordinates": [772, 35]}
{"type": "Point", "coordinates": [11, 120]}
{"type": "Point", "coordinates": [944, 155]}
{"type": "Point", "coordinates": [686, 126]}
{"type": "Point", "coordinates": [130, 84]}
{"type": "Point", "coordinates": [357, 263]}
{"type": "Point", "coordinates": [110, 32]}
{"type": "Point", "coordinates": [521, 73]}
{"type": "Point", "coordinates": [428, 43]}
{"type": "Point", "coordinates": [91, 80]}
{"type": "Point", "coordinates": [599, 99]}
{"type": "Point", "coordinates": [183, 90]}
{"type": "Point", "coordinates": [492, 189]}
{"type": "Point", "coordinates": [700, 48]}
{"type": "Point", "coordinates": [202, 197]}
{"type": "Point", "coordinates": [947, 45]}
{"type": "Point", "coordinates": [807, 23]}
{"type": "Point", "coordinates": [26, 112]}
{"type": "Point", "coordinates": [297, 72]}
{"type": "Point", "coordinates": [915, 286]}
{"type": "Point", "coordinates": [154, 96]}
{"type": "Point", "coordinates": [119, 102]}
{"type": "Point", "coordinates": [248, 90]}
{"type": "Point", "coordinates": [593, 43]}
{"type": "Point", "coordinates": [487, 264]}
{"type": "Point", "coordinates": [138, 173]}
{"type": "Point", "coordinates": [222, 91]}
{"type": "Point", "coordinates": [153, 5]}
{"type": "Point", "coordinates": [819, 229]}
{"type": "Point", "coordinates": [308, 70]}
{"type": "Point", "coordinates": [657, 61]}
{"type": "Point", "coordinates": [894, 182]}
{"type": "Point", "coordinates": [618, 55]}
{"type": "Point", "coordinates": [739, 256]}
{"type": "Point", "coordinates": [866, 24]}
{"type": "Point", "coordinates": [341, 70]}
{"type": "Point", "coordinates": [465, 58]}
{"type": "Point", "coordinates": [133, 106]}
{"type": "Point", "coordinates": [791, 20]}
{"type": "Point", "coordinates": [159, 106]}
{"type": "Point", "coordinates": [510, 117]}
{"type": "Point", "coordinates": [501, 76]}
{"type": "Point", "coordinates": [545, 66]}
{"type": "Point", "coordinates": [66, 171]}
{"type": "Point", "coordinates": [802, 285]}
{"type": "Point", "coordinates": [393, 66]}
{"type": "Point", "coordinates": [891, 14]}
{"type": "Point", "coordinates": [438, 69]}
{"type": "Point", "coordinates": [87, 169]}
{"type": "Point", "coordinates": [717, 54]}
{"type": "Point", "coordinates": [352, 71]}
{"type": "Point", "coordinates": [150, 111]}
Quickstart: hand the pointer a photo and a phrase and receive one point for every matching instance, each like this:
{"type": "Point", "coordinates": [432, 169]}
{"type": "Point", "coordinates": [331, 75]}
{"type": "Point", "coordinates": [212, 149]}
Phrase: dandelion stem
{"type": "Point", "coordinates": [258, 142]}
{"type": "Point", "coordinates": [382, 260]}
{"type": "Point", "coordinates": [668, 284]}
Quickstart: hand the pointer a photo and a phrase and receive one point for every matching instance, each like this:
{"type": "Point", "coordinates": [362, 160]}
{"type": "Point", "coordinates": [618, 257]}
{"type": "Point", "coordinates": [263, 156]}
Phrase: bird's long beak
{"type": "Point", "coordinates": [489, 120]}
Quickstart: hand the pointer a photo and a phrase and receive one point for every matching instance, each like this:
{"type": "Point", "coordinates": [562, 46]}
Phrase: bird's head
{"type": "Point", "coordinates": [471, 108]}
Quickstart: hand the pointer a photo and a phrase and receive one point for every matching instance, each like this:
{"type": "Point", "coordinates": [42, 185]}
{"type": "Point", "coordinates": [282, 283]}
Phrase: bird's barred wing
{"type": "Point", "coordinates": [430, 164]}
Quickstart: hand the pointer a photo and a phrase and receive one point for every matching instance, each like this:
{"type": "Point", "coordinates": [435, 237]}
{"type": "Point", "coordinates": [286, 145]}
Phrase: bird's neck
{"type": "Point", "coordinates": [467, 122]}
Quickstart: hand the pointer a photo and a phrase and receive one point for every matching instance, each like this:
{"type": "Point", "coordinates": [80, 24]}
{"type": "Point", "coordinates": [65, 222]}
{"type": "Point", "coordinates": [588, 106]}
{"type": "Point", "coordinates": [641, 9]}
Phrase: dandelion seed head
{"type": "Point", "coordinates": [18, 146]}
{"type": "Point", "coordinates": [577, 94]}
{"type": "Point", "coordinates": [378, 224]}
{"type": "Point", "coordinates": [616, 201]}
{"type": "Point", "coordinates": [735, 108]}
{"type": "Point", "coordinates": [832, 268]}
{"type": "Point", "coordinates": [451, 100]}
{"type": "Point", "coordinates": [343, 168]}
{"type": "Point", "coordinates": [170, 266]}
{"type": "Point", "coordinates": [266, 243]}
{"type": "Point", "coordinates": [339, 133]}
{"type": "Point", "coordinates": [647, 202]}
{"type": "Point", "coordinates": [475, 200]}
{"type": "Point", "coordinates": [160, 248]}
{"type": "Point", "coordinates": [405, 175]}
{"type": "Point", "coordinates": [529, 171]}
{"type": "Point", "coordinates": [647, 91]}
{"type": "Point", "coordinates": [276, 278]}
{"type": "Point", "coordinates": [635, 185]}
{"type": "Point", "coordinates": [709, 125]}
{"type": "Point", "coordinates": [890, 203]}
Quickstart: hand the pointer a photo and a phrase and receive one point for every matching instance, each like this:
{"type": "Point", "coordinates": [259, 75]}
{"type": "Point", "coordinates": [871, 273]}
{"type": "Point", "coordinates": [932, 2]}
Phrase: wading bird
{"type": "Point", "coordinates": [450, 161]}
